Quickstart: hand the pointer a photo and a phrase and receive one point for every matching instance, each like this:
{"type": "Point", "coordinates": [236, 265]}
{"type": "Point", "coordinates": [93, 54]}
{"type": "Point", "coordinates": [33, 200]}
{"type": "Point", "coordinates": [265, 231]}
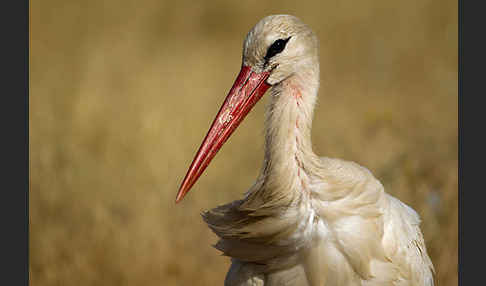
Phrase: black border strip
{"type": "Point", "coordinates": [14, 210]}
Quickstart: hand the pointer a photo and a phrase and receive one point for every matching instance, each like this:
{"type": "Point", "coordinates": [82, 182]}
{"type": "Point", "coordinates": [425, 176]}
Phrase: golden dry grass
{"type": "Point", "coordinates": [122, 93]}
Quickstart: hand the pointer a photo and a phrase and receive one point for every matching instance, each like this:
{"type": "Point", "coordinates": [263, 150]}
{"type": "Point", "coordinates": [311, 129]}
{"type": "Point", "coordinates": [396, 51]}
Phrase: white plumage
{"type": "Point", "coordinates": [307, 220]}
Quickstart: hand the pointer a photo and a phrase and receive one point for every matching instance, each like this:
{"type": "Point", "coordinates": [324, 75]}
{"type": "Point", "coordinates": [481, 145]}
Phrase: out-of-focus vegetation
{"type": "Point", "coordinates": [123, 92]}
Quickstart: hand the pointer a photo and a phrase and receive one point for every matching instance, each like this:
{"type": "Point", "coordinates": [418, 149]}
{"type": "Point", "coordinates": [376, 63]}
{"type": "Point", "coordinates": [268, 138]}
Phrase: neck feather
{"type": "Point", "coordinates": [289, 163]}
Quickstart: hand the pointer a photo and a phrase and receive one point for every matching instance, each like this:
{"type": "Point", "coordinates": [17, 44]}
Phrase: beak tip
{"type": "Point", "coordinates": [183, 190]}
{"type": "Point", "coordinates": [179, 196]}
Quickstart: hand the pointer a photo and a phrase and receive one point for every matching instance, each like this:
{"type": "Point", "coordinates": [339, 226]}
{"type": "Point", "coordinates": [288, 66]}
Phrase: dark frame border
{"type": "Point", "coordinates": [14, 211]}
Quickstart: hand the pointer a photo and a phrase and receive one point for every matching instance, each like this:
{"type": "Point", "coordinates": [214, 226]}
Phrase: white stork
{"type": "Point", "coordinates": [307, 220]}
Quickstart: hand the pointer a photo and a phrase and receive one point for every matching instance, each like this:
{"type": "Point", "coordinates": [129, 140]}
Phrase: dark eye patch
{"type": "Point", "coordinates": [277, 47]}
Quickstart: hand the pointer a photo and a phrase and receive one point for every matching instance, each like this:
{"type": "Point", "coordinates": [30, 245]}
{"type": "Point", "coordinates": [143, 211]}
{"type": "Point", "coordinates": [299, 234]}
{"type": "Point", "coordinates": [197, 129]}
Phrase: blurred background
{"type": "Point", "coordinates": [123, 92]}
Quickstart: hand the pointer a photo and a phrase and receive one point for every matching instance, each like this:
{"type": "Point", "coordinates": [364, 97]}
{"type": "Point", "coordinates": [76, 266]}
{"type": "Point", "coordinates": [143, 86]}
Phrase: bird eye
{"type": "Point", "coordinates": [277, 47]}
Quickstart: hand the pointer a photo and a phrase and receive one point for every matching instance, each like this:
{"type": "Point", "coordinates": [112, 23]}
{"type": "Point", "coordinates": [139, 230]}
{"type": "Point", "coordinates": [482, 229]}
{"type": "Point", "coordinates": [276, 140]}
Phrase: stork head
{"type": "Point", "coordinates": [275, 48]}
{"type": "Point", "coordinates": [280, 45]}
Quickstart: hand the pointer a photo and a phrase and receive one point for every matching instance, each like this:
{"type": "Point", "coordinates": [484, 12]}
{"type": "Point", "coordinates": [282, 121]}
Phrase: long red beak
{"type": "Point", "coordinates": [248, 88]}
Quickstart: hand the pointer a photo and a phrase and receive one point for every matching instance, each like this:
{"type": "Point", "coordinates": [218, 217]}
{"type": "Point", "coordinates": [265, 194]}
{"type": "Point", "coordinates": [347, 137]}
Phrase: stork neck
{"type": "Point", "coordinates": [289, 159]}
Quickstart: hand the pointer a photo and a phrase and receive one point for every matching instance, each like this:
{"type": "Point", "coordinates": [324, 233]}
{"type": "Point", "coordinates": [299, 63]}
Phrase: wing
{"type": "Point", "coordinates": [404, 244]}
{"type": "Point", "coordinates": [379, 235]}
